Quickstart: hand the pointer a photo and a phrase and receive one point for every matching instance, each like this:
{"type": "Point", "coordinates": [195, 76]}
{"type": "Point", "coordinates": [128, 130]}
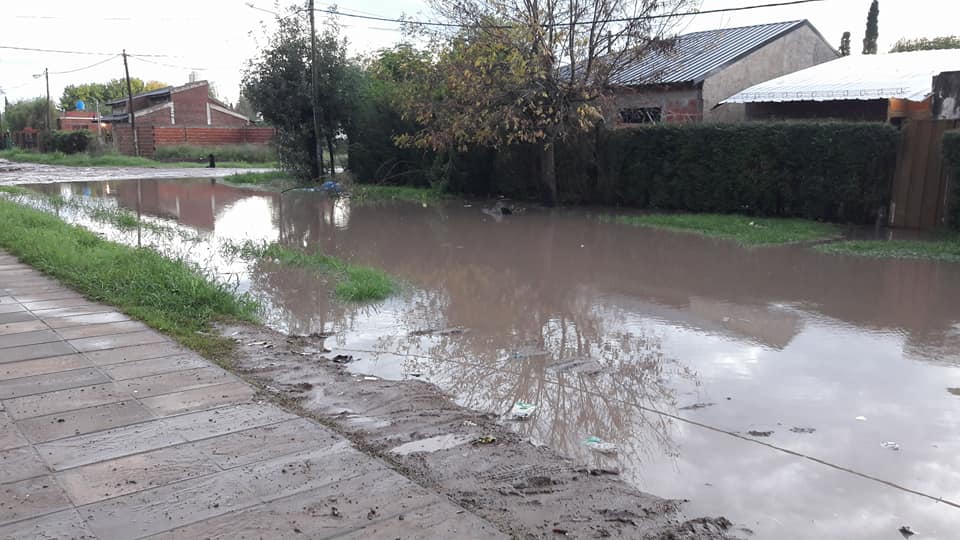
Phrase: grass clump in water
{"type": "Point", "coordinates": [259, 178]}
{"type": "Point", "coordinates": [745, 230]}
{"type": "Point", "coordinates": [354, 283]}
{"type": "Point", "coordinates": [947, 248]}
{"type": "Point", "coordinates": [169, 295]}
{"type": "Point", "coordinates": [374, 193]}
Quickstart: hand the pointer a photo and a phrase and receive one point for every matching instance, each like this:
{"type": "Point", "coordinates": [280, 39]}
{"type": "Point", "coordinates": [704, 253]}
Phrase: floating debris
{"type": "Point", "coordinates": [890, 445]}
{"type": "Point", "coordinates": [600, 446]}
{"type": "Point", "coordinates": [486, 439]}
{"type": "Point", "coordinates": [522, 410]}
{"type": "Point", "coordinates": [587, 366]}
{"type": "Point", "coordinates": [802, 430]}
{"type": "Point", "coordinates": [696, 406]}
{"type": "Point", "coordinates": [370, 378]}
{"type": "Point", "coordinates": [753, 433]}
{"type": "Point", "coordinates": [861, 419]}
{"type": "Point", "coordinates": [452, 331]}
{"type": "Point", "coordinates": [906, 531]}
{"type": "Point", "coordinates": [342, 359]}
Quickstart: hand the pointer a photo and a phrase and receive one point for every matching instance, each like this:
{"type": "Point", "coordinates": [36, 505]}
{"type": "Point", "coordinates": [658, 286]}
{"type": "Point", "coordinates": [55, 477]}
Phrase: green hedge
{"type": "Point", "coordinates": [252, 153]}
{"type": "Point", "coordinates": [827, 171]}
{"type": "Point", "coordinates": [951, 155]}
{"type": "Point", "coordinates": [68, 142]}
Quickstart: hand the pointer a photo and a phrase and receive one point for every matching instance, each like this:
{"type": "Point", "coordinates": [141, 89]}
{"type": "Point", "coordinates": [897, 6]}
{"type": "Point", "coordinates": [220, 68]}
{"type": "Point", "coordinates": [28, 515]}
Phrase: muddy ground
{"type": "Point", "coordinates": [473, 458]}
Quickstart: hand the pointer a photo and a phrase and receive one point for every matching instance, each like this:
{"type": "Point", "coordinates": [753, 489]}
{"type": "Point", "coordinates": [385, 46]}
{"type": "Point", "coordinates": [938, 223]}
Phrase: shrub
{"type": "Point", "coordinates": [68, 142]}
{"type": "Point", "coordinates": [252, 153]}
{"type": "Point", "coordinates": [951, 156]}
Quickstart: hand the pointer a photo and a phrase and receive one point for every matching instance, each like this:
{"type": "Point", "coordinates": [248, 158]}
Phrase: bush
{"type": "Point", "coordinates": [951, 156]}
{"type": "Point", "coordinates": [252, 153]}
{"type": "Point", "coordinates": [826, 171]}
{"type": "Point", "coordinates": [68, 142]}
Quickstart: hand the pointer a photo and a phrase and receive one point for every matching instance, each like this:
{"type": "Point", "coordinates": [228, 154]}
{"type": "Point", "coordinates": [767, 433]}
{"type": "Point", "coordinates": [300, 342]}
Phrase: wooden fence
{"type": "Point", "coordinates": [921, 182]}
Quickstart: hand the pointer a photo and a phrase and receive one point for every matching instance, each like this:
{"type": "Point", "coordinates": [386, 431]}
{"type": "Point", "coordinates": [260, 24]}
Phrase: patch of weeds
{"type": "Point", "coordinates": [107, 160]}
{"type": "Point", "coordinates": [744, 230]}
{"type": "Point", "coordinates": [170, 295]}
{"type": "Point", "coordinates": [945, 248]}
{"type": "Point", "coordinates": [14, 190]}
{"type": "Point", "coordinates": [364, 193]}
{"type": "Point", "coordinates": [259, 178]}
{"type": "Point", "coordinates": [354, 283]}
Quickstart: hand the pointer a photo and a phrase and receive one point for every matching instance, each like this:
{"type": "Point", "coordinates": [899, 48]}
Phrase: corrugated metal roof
{"type": "Point", "coordinates": [906, 75]}
{"type": "Point", "coordinates": [697, 55]}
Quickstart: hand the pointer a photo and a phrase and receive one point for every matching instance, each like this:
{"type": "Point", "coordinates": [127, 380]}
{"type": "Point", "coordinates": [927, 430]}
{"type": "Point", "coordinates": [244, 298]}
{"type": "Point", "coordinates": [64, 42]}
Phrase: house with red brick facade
{"type": "Point", "coordinates": [687, 81]}
{"type": "Point", "coordinates": [180, 115]}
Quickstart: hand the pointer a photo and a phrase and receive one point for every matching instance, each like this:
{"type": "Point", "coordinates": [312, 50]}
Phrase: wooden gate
{"type": "Point", "coordinates": [920, 183]}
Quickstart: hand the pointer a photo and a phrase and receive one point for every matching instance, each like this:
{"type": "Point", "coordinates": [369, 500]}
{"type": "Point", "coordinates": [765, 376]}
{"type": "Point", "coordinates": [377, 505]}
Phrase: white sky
{"type": "Point", "coordinates": [220, 35]}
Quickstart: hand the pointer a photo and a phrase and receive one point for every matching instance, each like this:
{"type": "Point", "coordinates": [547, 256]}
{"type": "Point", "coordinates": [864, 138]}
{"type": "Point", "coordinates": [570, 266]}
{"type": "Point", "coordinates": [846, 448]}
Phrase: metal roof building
{"type": "Point", "coordinates": [907, 76]}
{"type": "Point", "coordinates": [685, 82]}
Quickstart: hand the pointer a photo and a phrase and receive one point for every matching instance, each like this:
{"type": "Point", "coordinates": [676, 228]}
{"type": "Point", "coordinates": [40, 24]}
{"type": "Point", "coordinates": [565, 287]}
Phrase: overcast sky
{"type": "Point", "coordinates": [220, 35]}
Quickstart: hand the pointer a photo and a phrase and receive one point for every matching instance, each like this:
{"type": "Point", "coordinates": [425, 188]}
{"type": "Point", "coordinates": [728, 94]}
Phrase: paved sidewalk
{"type": "Point", "coordinates": [109, 430]}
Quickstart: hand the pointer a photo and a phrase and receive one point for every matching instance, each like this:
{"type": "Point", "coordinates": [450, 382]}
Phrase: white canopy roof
{"type": "Point", "coordinates": [906, 75]}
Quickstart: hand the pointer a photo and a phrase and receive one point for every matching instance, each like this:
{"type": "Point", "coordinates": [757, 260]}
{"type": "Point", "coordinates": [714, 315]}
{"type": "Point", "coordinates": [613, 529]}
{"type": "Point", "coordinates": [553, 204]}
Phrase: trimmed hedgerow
{"type": "Point", "coordinates": [951, 155]}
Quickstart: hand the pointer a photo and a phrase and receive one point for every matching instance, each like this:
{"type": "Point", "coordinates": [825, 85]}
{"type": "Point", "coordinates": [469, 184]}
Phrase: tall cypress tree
{"type": "Point", "coordinates": [873, 30]}
{"type": "Point", "coordinates": [845, 44]}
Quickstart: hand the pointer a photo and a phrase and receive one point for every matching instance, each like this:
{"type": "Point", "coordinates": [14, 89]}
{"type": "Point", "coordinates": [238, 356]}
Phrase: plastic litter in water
{"type": "Point", "coordinates": [600, 446]}
{"type": "Point", "coordinates": [522, 410]}
{"type": "Point", "coordinates": [861, 419]}
{"type": "Point", "coordinates": [890, 445]}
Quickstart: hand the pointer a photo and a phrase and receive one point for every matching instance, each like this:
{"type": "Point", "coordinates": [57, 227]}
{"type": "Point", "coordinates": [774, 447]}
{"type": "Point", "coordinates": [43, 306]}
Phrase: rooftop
{"type": "Point", "coordinates": [907, 75]}
{"type": "Point", "coordinates": [697, 55]}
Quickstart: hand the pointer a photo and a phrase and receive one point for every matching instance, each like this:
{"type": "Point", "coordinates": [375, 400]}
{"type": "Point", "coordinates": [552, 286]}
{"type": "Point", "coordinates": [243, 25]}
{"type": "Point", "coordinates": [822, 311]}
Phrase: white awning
{"type": "Point", "coordinates": [858, 77]}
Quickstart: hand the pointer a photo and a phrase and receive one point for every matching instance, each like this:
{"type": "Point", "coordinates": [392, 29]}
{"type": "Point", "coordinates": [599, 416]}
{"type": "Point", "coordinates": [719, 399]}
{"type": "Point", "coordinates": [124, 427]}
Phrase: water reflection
{"type": "Point", "coordinates": [739, 340]}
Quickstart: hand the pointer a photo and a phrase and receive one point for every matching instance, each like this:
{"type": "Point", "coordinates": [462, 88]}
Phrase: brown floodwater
{"type": "Point", "coordinates": [801, 395]}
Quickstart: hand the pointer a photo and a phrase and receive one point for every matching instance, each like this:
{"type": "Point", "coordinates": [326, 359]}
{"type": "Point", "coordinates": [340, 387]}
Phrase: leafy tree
{"type": "Point", "coordinates": [113, 89]}
{"type": "Point", "coordinates": [245, 108]}
{"type": "Point", "coordinates": [278, 84]}
{"type": "Point", "coordinates": [873, 29]}
{"type": "Point", "coordinates": [529, 72]}
{"type": "Point", "coordinates": [845, 44]}
{"type": "Point", "coordinates": [28, 113]}
{"type": "Point", "coordinates": [926, 44]}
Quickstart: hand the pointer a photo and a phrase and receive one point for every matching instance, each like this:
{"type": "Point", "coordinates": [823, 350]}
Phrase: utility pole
{"type": "Point", "coordinates": [46, 75]}
{"type": "Point", "coordinates": [313, 94]}
{"type": "Point", "coordinates": [133, 123]}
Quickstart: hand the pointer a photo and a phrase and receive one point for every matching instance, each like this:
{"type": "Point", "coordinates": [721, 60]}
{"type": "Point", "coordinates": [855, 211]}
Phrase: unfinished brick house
{"type": "Point", "coordinates": [687, 82]}
{"type": "Point", "coordinates": [181, 115]}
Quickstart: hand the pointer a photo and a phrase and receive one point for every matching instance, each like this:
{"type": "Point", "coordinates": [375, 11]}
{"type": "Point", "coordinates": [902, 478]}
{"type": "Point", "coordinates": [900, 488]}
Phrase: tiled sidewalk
{"type": "Point", "coordinates": [109, 430]}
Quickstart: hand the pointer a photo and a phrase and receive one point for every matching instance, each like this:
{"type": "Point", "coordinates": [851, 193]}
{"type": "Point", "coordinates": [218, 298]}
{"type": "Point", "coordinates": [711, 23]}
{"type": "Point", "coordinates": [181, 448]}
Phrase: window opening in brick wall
{"type": "Point", "coordinates": [640, 115]}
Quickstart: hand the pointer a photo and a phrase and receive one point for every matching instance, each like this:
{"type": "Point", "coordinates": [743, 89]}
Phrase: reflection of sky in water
{"type": "Point", "coordinates": [769, 339]}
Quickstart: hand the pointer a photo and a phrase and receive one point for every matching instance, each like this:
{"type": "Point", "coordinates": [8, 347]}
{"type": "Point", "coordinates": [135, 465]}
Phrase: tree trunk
{"type": "Point", "coordinates": [333, 166]}
{"type": "Point", "coordinates": [548, 173]}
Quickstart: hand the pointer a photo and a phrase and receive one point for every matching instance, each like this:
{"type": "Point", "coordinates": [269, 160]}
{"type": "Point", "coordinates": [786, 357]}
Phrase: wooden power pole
{"type": "Point", "coordinates": [133, 123]}
{"type": "Point", "coordinates": [313, 94]}
{"type": "Point", "coordinates": [46, 75]}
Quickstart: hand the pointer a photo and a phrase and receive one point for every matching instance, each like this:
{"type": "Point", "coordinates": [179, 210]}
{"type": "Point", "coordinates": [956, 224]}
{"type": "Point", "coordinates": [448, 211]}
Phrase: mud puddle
{"type": "Point", "coordinates": [761, 385]}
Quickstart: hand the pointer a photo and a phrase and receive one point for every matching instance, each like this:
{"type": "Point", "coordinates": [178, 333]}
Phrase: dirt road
{"type": "Point", "coordinates": [15, 173]}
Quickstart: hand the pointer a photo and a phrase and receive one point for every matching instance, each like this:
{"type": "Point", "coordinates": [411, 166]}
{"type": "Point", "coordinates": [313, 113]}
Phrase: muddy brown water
{"type": "Point", "coordinates": [759, 384]}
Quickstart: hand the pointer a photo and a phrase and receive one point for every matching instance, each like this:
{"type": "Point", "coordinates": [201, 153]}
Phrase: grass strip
{"type": "Point", "coordinates": [367, 193]}
{"type": "Point", "coordinates": [259, 178]}
{"type": "Point", "coordinates": [747, 231]}
{"type": "Point", "coordinates": [354, 283]}
{"type": "Point", "coordinates": [110, 160]}
{"type": "Point", "coordinates": [945, 249]}
{"type": "Point", "coordinates": [169, 295]}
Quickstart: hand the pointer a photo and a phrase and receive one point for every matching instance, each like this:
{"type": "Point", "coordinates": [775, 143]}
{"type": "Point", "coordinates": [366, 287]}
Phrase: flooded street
{"type": "Point", "coordinates": [799, 394]}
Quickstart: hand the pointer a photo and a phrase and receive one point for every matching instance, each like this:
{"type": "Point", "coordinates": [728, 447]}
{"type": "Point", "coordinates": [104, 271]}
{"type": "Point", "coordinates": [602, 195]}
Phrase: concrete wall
{"type": "Point", "coordinates": [677, 104]}
{"type": "Point", "coordinates": [799, 49]}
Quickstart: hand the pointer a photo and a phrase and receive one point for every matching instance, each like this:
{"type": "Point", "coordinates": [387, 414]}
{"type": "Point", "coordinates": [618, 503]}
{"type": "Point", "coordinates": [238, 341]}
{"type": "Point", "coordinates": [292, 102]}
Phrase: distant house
{"type": "Point", "coordinates": [188, 105]}
{"type": "Point", "coordinates": [74, 120]}
{"type": "Point", "coordinates": [879, 88]}
{"type": "Point", "coordinates": [687, 81]}
{"type": "Point", "coordinates": [180, 115]}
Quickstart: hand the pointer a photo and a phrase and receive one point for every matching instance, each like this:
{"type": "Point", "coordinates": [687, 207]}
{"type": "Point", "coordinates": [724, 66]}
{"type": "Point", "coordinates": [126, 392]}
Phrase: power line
{"type": "Point", "coordinates": [141, 59]}
{"type": "Point", "coordinates": [89, 53]}
{"type": "Point", "coordinates": [114, 57]}
{"type": "Point", "coordinates": [555, 25]}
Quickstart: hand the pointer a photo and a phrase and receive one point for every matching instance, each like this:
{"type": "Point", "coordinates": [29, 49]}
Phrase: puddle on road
{"type": "Point", "coordinates": [659, 343]}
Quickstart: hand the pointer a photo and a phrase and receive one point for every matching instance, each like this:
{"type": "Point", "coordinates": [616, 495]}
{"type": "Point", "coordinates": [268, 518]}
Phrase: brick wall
{"type": "Point", "coordinates": [190, 106]}
{"type": "Point", "coordinates": [154, 136]}
{"type": "Point", "coordinates": [224, 119]}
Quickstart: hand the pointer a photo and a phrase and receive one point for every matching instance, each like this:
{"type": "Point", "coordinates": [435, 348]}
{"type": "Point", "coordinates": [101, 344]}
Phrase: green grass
{"type": "Point", "coordinates": [354, 283]}
{"type": "Point", "coordinates": [249, 153]}
{"type": "Point", "coordinates": [259, 178]}
{"type": "Point", "coordinates": [745, 230]}
{"type": "Point", "coordinates": [372, 193]}
{"type": "Point", "coordinates": [946, 248]}
{"type": "Point", "coordinates": [110, 160]}
{"type": "Point", "coordinates": [169, 295]}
